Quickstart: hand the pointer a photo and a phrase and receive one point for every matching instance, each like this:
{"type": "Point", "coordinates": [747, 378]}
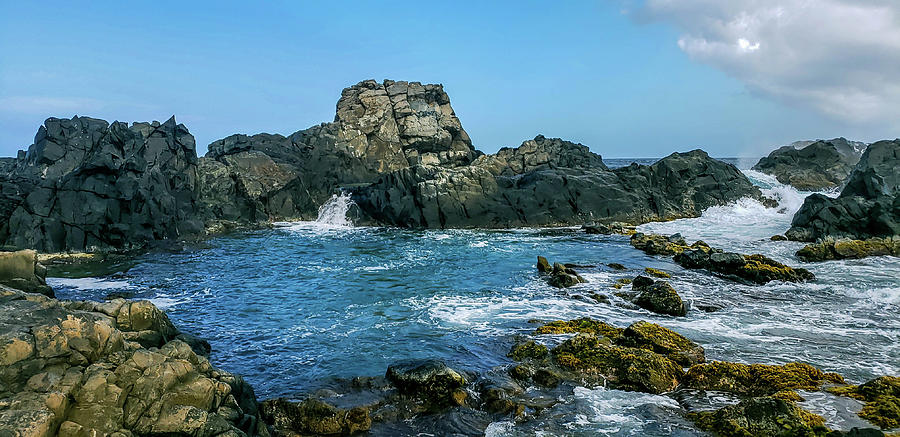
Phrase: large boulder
{"type": "Point", "coordinates": [83, 368]}
{"type": "Point", "coordinates": [543, 192]}
{"type": "Point", "coordinates": [378, 128]}
{"type": "Point", "coordinates": [85, 183]}
{"type": "Point", "coordinates": [824, 164]}
{"type": "Point", "coordinates": [868, 206]}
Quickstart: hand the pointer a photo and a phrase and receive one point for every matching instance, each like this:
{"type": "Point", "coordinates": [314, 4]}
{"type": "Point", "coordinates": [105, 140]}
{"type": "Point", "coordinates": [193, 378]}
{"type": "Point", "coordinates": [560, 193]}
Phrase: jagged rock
{"type": "Point", "coordinates": [86, 183]}
{"type": "Point", "coordinates": [680, 185]}
{"type": "Point", "coordinates": [661, 298]}
{"type": "Point", "coordinates": [541, 153]}
{"type": "Point", "coordinates": [431, 380]}
{"type": "Point", "coordinates": [824, 164]}
{"type": "Point", "coordinates": [852, 249]}
{"type": "Point", "coordinates": [378, 128]}
{"type": "Point", "coordinates": [21, 270]}
{"type": "Point", "coordinates": [868, 206]}
{"type": "Point", "coordinates": [70, 368]}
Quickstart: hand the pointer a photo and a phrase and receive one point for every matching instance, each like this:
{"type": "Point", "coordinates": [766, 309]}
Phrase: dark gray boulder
{"type": "Point", "coordinates": [488, 194]}
{"type": "Point", "coordinates": [661, 298]}
{"type": "Point", "coordinates": [85, 183]}
{"type": "Point", "coordinates": [868, 206]}
{"type": "Point", "coordinates": [820, 165]}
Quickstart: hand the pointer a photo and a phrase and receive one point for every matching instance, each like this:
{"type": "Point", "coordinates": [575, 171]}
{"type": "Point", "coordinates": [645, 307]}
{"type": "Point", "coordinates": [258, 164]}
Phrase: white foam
{"type": "Point", "coordinates": [89, 284]}
{"type": "Point", "coordinates": [334, 211]}
{"type": "Point", "coordinates": [611, 409]}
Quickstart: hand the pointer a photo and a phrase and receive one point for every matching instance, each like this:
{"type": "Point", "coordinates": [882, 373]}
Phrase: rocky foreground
{"type": "Point", "coordinates": [397, 147]}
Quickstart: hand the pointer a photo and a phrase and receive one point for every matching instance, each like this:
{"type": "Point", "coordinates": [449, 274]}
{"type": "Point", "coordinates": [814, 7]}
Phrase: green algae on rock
{"type": "Point", "coordinates": [528, 349]}
{"type": "Point", "coordinates": [661, 298]}
{"type": "Point", "coordinates": [622, 367]}
{"type": "Point", "coordinates": [656, 272]}
{"type": "Point", "coordinates": [664, 341]}
{"type": "Point", "coordinates": [755, 379]}
{"type": "Point", "coordinates": [313, 416]}
{"type": "Point", "coordinates": [761, 416]}
{"type": "Point", "coordinates": [882, 400]}
{"type": "Point", "coordinates": [582, 325]}
{"type": "Point", "coordinates": [831, 249]}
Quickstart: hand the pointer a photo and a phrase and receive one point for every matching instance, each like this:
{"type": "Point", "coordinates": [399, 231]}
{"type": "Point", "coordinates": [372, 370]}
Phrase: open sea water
{"type": "Point", "coordinates": [294, 307]}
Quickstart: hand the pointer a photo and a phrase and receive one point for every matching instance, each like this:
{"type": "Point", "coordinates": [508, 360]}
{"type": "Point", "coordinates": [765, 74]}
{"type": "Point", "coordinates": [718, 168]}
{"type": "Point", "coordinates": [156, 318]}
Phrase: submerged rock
{"type": "Point", "coordinates": [850, 249]}
{"type": "Point", "coordinates": [868, 206]}
{"type": "Point", "coordinates": [661, 298]}
{"type": "Point", "coordinates": [607, 229]}
{"type": "Point", "coordinates": [655, 244]}
{"type": "Point", "coordinates": [313, 416]}
{"type": "Point", "coordinates": [761, 416]}
{"type": "Point", "coordinates": [882, 400]}
{"type": "Point", "coordinates": [431, 380]}
{"type": "Point", "coordinates": [559, 275]}
{"type": "Point", "coordinates": [821, 165]}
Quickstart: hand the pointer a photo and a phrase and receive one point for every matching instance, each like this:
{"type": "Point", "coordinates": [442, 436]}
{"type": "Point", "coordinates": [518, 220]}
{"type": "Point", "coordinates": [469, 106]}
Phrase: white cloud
{"type": "Point", "coordinates": [839, 57]}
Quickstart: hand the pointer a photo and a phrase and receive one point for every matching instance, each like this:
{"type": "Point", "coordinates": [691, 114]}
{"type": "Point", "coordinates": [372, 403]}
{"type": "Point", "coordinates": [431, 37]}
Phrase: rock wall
{"type": "Point", "coordinates": [86, 183]}
{"type": "Point", "coordinates": [816, 166]}
{"type": "Point", "coordinates": [868, 206]}
{"type": "Point", "coordinates": [549, 182]}
{"type": "Point", "coordinates": [22, 270]}
{"type": "Point", "coordinates": [116, 368]}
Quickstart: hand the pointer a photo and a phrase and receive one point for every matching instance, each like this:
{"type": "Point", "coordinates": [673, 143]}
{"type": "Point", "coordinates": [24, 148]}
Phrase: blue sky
{"type": "Point", "coordinates": [595, 72]}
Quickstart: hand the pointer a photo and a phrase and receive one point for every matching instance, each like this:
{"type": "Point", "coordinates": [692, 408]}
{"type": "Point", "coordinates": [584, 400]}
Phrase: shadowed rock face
{"type": "Point", "coordinates": [868, 206]}
{"type": "Point", "coordinates": [86, 183]}
{"type": "Point", "coordinates": [817, 166]}
{"type": "Point", "coordinates": [568, 186]}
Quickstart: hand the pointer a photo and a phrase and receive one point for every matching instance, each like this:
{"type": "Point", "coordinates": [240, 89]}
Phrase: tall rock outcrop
{"type": "Point", "coordinates": [868, 206]}
{"type": "Point", "coordinates": [813, 166]}
{"type": "Point", "coordinates": [87, 183]}
{"type": "Point", "coordinates": [548, 182]}
{"type": "Point", "coordinates": [378, 128]}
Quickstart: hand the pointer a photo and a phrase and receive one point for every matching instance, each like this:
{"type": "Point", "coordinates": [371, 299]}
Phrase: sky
{"type": "Point", "coordinates": [628, 78]}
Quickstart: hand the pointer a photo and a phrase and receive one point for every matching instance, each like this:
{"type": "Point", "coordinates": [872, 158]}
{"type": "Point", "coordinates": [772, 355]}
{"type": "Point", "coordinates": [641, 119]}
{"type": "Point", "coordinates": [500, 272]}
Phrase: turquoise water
{"type": "Point", "coordinates": [292, 308]}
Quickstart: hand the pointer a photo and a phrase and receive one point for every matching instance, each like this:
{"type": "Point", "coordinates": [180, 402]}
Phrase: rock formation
{"type": "Point", "coordinates": [86, 183]}
{"type": "Point", "coordinates": [114, 368]}
{"type": "Point", "coordinates": [868, 206]}
{"type": "Point", "coordinates": [21, 270]}
{"type": "Point", "coordinates": [378, 128]}
{"type": "Point", "coordinates": [493, 193]}
{"type": "Point", "coordinates": [397, 146]}
{"type": "Point", "coordinates": [815, 166]}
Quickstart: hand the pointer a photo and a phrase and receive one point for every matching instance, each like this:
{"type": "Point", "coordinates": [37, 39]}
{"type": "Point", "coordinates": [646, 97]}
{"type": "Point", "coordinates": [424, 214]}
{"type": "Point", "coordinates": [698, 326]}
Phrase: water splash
{"type": "Point", "coordinates": [334, 211]}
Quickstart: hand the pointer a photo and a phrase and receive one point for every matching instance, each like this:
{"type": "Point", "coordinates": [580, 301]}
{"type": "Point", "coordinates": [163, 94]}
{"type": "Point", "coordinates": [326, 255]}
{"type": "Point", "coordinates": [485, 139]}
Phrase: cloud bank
{"type": "Point", "coordinates": [839, 57]}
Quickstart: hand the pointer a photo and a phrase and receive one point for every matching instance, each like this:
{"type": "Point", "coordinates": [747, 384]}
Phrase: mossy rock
{"type": "Point", "coordinates": [582, 325]}
{"type": "Point", "coordinates": [664, 341]}
{"type": "Point", "coordinates": [656, 272]}
{"type": "Point", "coordinates": [761, 416]}
{"type": "Point", "coordinates": [528, 349]}
{"type": "Point", "coordinates": [882, 400]}
{"type": "Point", "coordinates": [761, 269]}
{"type": "Point", "coordinates": [616, 266]}
{"type": "Point", "coordinates": [543, 266]}
{"type": "Point", "coordinates": [853, 249]}
{"type": "Point", "coordinates": [753, 379]}
{"type": "Point", "coordinates": [623, 368]}
{"type": "Point", "coordinates": [661, 298]}
{"type": "Point", "coordinates": [654, 244]}
{"type": "Point", "coordinates": [313, 416]}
